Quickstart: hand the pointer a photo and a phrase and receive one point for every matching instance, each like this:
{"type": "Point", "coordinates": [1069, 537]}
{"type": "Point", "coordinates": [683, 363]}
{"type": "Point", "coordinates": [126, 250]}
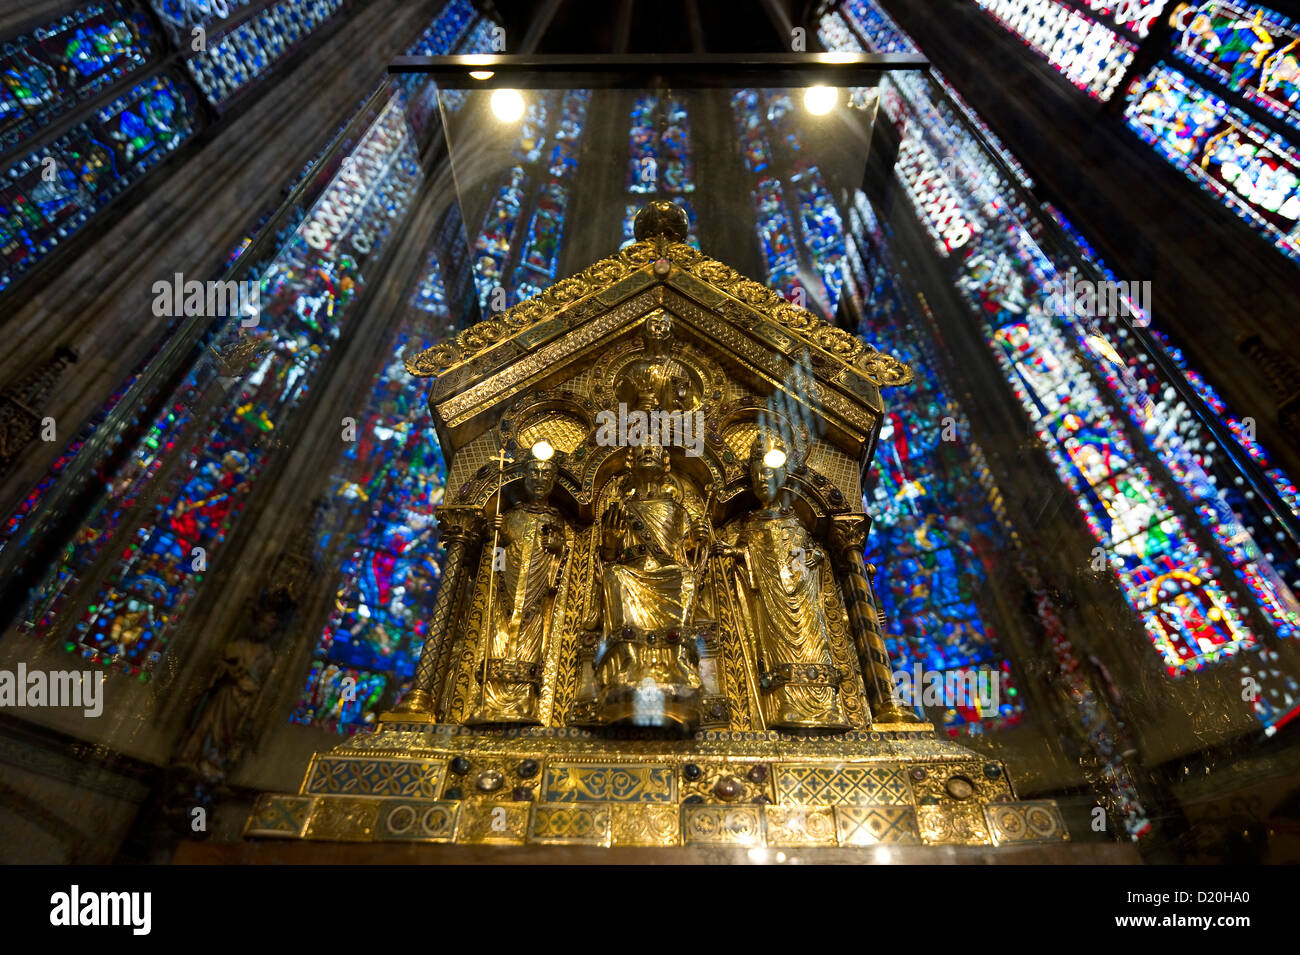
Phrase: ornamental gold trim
{"type": "Point", "coordinates": [638, 260]}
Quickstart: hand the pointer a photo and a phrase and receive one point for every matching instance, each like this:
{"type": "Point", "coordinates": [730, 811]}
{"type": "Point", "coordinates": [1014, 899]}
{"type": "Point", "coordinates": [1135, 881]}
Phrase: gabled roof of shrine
{"type": "Point", "coordinates": [498, 357]}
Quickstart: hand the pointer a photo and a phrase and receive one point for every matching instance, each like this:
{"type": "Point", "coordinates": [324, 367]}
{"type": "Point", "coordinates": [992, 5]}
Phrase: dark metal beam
{"type": "Point", "coordinates": [640, 70]}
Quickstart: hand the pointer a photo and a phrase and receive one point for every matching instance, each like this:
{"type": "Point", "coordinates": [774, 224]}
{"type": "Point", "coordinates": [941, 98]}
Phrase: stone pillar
{"type": "Point", "coordinates": [848, 540]}
{"type": "Point", "coordinates": [458, 528]}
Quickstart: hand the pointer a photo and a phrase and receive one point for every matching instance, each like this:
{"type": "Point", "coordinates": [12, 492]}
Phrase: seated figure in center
{"type": "Point", "coordinates": [651, 555]}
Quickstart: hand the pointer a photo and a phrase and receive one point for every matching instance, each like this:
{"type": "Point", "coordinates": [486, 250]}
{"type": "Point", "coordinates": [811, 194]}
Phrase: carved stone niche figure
{"type": "Point", "coordinates": [524, 575]}
{"type": "Point", "coordinates": [651, 558]}
{"type": "Point", "coordinates": [216, 735]}
{"type": "Point", "coordinates": [779, 570]}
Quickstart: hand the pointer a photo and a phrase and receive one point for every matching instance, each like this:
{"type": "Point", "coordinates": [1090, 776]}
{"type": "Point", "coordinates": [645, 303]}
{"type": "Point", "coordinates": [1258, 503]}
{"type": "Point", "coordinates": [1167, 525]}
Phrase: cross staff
{"type": "Point", "coordinates": [500, 458]}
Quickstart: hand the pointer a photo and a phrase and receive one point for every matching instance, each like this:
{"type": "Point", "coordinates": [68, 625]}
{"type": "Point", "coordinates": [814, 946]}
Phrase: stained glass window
{"type": "Point", "coordinates": [530, 205]}
{"type": "Point", "coordinates": [934, 536]}
{"type": "Point", "coordinates": [445, 31]}
{"type": "Point", "coordinates": [876, 31]}
{"type": "Point", "coordinates": [457, 28]}
{"type": "Point", "coordinates": [660, 164]}
{"type": "Point", "coordinates": [787, 189]}
{"type": "Point", "coordinates": [1136, 16]}
{"type": "Point", "coordinates": [180, 17]}
{"type": "Point", "coordinates": [49, 194]}
{"type": "Point", "coordinates": [540, 257]}
{"type": "Point", "coordinates": [205, 451]}
{"type": "Point", "coordinates": [927, 185]}
{"type": "Point", "coordinates": [1163, 573]}
{"type": "Point", "coordinates": [234, 61]}
{"type": "Point", "coordinates": [1253, 171]}
{"type": "Point", "coordinates": [953, 151]}
{"type": "Point", "coordinates": [46, 71]}
{"type": "Point", "coordinates": [1084, 51]}
{"type": "Point", "coordinates": [392, 477]}
{"type": "Point", "coordinates": [1061, 368]}
{"type": "Point", "coordinates": [1251, 50]}
{"type": "Point", "coordinates": [878, 27]}
{"type": "Point", "coordinates": [483, 38]}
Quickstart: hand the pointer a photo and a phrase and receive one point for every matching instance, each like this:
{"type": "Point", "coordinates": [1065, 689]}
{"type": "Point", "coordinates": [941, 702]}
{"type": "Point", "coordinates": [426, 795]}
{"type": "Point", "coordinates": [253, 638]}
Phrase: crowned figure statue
{"type": "Point", "coordinates": [651, 558]}
{"type": "Point", "coordinates": [531, 541]}
{"type": "Point", "coordinates": [779, 569]}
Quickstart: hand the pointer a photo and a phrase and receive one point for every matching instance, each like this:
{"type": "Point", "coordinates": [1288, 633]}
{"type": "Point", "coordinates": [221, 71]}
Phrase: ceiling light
{"type": "Point", "coordinates": [820, 100]}
{"type": "Point", "coordinates": [507, 105]}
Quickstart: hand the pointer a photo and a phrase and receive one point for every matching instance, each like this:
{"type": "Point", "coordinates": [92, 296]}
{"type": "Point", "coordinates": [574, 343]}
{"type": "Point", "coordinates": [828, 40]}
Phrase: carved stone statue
{"type": "Point", "coordinates": [650, 552]}
{"type": "Point", "coordinates": [216, 734]}
{"type": "Point", "coordinates": [780, 571]}
{"type": "Point", "coordinates": [531, 540]}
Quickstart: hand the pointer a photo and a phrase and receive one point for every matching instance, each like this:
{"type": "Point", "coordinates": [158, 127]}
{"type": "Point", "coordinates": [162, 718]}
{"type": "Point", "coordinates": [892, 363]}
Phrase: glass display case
{"type": "Point", "coordinates": [1081, 564]}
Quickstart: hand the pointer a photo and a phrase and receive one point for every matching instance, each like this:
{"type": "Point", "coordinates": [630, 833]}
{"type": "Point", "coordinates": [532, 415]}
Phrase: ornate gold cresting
{"type": "Point", "coordinates": [669, 636]}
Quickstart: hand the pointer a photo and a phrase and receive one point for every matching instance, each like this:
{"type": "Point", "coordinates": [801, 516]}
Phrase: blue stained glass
{"type": "Point", "coordinates": [1251, 49]}
{"type": "Point", "coordinates": [934, 536]}
{"type": "Point", "coordinates": [215, 457]}
{"type": "Point", "coordinates": [234, 61]}
{"type": "Point", "coordinates": [1251, 170]}
{"type": "Point", "coordinates": [394, 476]}
{"type": "Point", "coordinates": [50, 194]}
{"type": "Point", "coordinates": [801, 197]}
{"type": "Point", "coordinates": [49, 70]}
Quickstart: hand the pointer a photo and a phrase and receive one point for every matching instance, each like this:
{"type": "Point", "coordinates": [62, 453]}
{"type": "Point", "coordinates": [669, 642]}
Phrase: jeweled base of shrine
{"type": "Point", "coordinates": [422, 782]}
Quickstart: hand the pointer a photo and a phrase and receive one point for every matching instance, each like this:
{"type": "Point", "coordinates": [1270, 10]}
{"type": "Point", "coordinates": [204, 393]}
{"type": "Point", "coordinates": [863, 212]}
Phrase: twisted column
{"type": "Point", "coordinates": [458, 529]}
{"type": "Point", "coordinates": [848, 542]}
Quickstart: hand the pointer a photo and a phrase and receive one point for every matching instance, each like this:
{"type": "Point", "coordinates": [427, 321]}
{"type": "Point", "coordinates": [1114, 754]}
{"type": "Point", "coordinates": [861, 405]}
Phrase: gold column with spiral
{"type": "Point", "coordinates": [848, 539]}
{"type": "Point", "coordinates": [458, 528]}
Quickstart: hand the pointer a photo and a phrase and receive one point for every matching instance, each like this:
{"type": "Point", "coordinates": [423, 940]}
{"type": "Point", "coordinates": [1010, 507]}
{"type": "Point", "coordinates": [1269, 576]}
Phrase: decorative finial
{"type": "Point", "coordinates": [661, 217]}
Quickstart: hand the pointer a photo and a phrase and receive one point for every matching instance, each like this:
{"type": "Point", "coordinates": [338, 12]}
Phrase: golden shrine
{"type": "Point", "coordinates": [654, 627]}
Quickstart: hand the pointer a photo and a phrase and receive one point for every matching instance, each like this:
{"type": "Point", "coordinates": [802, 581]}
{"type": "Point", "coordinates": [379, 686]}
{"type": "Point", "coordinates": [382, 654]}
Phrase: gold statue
{"type": "Point", "coordinates": [657, 381]}
{"type": "Point", "coordinates": [781, 593]}
{"type": "Point", "coordinates": [531, 539]}
{"type": "Point", "coordinates": [650, 551]}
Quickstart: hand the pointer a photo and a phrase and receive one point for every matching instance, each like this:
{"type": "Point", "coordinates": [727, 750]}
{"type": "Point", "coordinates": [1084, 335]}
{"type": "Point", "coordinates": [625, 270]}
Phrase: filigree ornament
{"type": "Point", "coordinates": [795, 319]}
{"type": "Point", "coordinates": [605, 272]}
{"type": "Point", "coordinates": [752, 293]}
{"type": "Point", "coordinates": [838, 342]}
{"type": "Point", "coordinates": [715, 273]}
{"type": "Point", "coordinates": [482, 334]}
{"type": "Point", "coordinates": [566, 290]}
{"type": "Point", "coordinates": [525, 313]}
{"type": "Point", "coordinates": [684, 255]}
{"type": "Point", "coordinates": [642, 253]}
{"type": "Point", "coordinates": [883, 369]}
{"type": "Point", "coordinates": [433, 361]}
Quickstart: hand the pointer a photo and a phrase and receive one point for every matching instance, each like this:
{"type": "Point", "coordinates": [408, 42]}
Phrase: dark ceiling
{"type": "Point", "coordinates": [649, 26]}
